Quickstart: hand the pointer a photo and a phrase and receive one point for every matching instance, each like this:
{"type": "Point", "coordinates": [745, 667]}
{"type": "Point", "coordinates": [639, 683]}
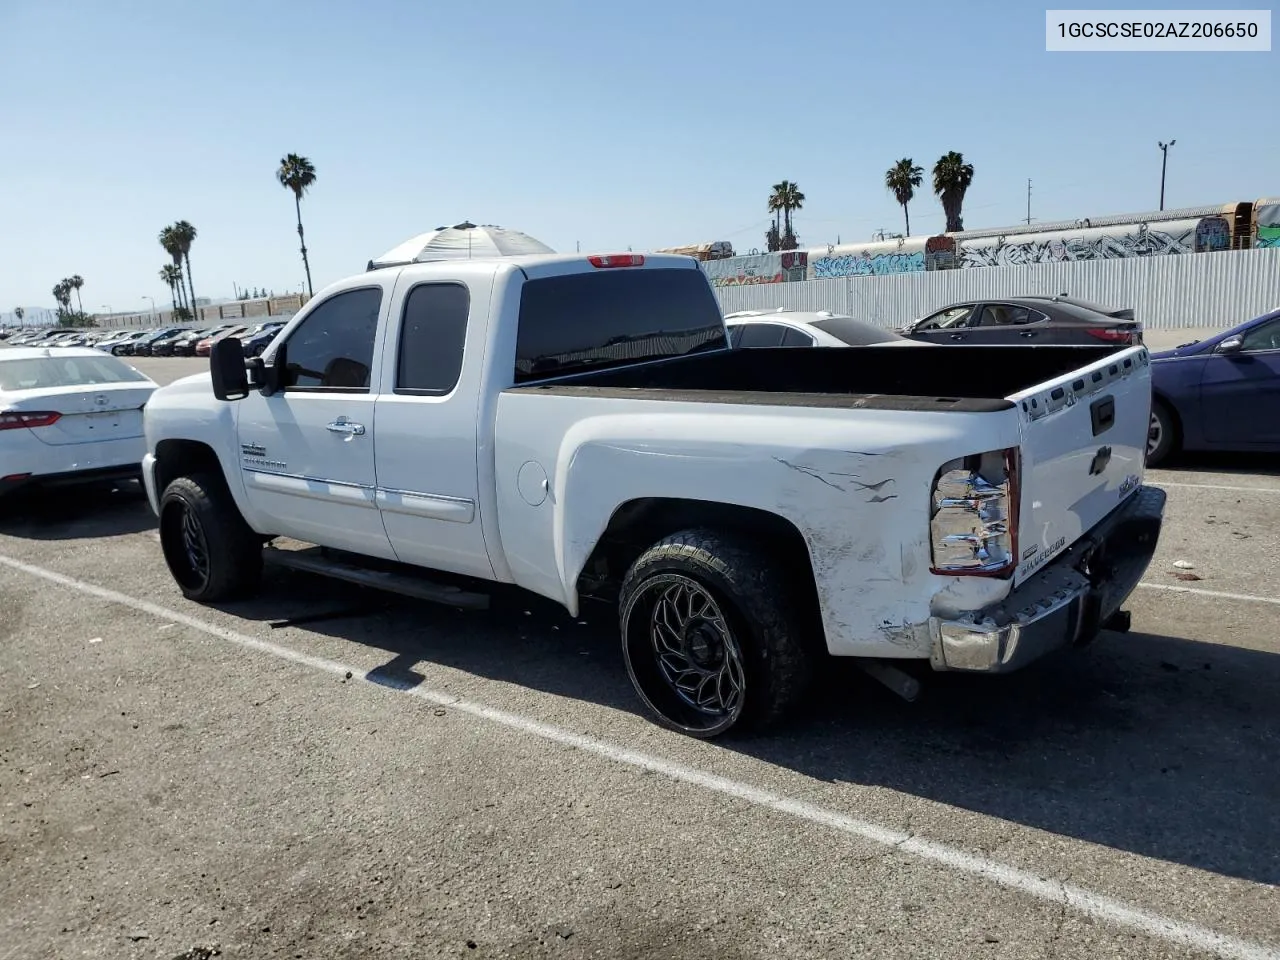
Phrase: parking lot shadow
{"type": "Point", "coordinates": [1160, 746]}
{"type": "Point", "coordinates": [82, 512]}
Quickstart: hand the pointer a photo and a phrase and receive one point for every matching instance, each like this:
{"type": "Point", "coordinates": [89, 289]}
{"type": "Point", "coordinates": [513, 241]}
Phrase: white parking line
{"type": "Point", "coordinates": [1077, 898]}
{"type": "Point", "coordinates": [1247, 597]}
{"type": "Point", "coordinates": [1214, 486]}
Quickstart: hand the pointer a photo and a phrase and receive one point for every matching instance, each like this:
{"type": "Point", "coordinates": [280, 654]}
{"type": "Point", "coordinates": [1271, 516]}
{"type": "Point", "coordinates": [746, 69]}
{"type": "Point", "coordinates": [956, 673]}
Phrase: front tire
{"type": "Point", "coordinates": [713, 635]}
{"type": "Point", "coordinates": [211, 552]}
{"type": "Point", "coordinates": [1162, 434]}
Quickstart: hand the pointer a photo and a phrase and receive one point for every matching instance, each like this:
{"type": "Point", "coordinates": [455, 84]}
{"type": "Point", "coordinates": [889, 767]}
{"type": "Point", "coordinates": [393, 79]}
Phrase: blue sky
{"type": "Point", "coordinates": [613, 125]}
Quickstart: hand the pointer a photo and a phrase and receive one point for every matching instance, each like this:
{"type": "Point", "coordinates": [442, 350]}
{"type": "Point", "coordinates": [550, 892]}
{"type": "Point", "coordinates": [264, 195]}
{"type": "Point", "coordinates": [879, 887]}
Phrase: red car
{"type": "Point", "coordinates": [205, 345]}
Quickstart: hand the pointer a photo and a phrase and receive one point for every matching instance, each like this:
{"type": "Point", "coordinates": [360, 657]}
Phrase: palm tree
{"type": "Point", "coordinates": [62, 294]}
{"type": "Point", "coordinates": [297, 174]}
{"type": "Point", "coordinates": [901, 180]}
{"type": "Point", "coordinates": [76, 283]}
{"type": "Point", "coordinates": [951, 178]}
{"type": "Point", "coordinates": [172, 277]}
{"type": "Point", "coordinates": [19, 313]}
{"type": "Point", "coordinates": [185, 235]}
{"type": "Point", "coordinates": [786, 197]}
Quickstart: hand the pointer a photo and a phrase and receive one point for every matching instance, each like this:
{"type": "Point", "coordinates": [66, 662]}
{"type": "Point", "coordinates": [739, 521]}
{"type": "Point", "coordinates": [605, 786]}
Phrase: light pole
{"type": "Point", "coordinates": [153, 305]}
{"type": "Point", "coordinates": [1164, 162]}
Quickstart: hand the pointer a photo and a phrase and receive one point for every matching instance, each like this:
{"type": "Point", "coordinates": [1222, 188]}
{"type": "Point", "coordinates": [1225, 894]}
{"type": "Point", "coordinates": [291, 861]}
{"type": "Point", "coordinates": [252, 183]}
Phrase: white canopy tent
{"type": "Point", "coordinates": [463, 241]}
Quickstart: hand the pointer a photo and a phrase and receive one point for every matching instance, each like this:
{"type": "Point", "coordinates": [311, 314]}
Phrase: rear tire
{"type": "Point", "coordinates": [713, 635]}
{"type": "Point", "coordinates": [1162, 434]}
{"type": "Point", "coordinates": [211, 552]}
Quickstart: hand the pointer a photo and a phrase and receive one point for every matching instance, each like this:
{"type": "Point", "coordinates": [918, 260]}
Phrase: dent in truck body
{"type": "Point", "coordinates": [853, 483]}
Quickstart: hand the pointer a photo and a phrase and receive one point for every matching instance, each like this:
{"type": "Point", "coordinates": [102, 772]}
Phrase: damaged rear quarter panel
{"type": "Point", "coordinates": [854, 482]}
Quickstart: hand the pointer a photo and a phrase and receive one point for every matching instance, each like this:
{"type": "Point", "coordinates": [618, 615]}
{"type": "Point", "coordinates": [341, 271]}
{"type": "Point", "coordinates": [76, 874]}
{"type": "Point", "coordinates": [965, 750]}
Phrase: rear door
{"type": "Point", "coordinates": [1084, 439]}
{"type": "Point", "coordinates": [1007, 323]}
{"type": "Point", "coordinates": [428, 429]}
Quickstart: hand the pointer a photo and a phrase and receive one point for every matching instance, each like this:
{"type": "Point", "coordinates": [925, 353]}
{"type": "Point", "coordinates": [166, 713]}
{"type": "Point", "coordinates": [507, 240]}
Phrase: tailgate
{"type": "Point", "coordinates": [1084, 442]}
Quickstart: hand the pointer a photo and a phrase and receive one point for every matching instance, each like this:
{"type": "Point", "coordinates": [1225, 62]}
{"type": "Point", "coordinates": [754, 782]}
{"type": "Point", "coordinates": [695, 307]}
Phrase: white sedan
{"type": "Point", "coordinates": [69, 414]}
{"type": "Point", "coordinates": [805, 328]}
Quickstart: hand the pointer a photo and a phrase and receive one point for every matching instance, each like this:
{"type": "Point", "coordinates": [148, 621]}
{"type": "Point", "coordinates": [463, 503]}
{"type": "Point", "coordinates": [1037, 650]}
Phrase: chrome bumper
{"type": "Point", "coordinates": [1063, 605]}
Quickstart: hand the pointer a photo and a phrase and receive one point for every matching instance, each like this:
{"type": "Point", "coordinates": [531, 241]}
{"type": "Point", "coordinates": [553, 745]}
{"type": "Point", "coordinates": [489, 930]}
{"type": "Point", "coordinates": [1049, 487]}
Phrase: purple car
{"type": "Point", "coordinates": [1221, 393]}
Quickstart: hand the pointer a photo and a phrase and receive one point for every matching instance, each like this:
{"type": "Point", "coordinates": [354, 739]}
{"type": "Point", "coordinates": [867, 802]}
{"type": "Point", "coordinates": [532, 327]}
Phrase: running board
{"type": "Point", "coordinates": [311, 559]}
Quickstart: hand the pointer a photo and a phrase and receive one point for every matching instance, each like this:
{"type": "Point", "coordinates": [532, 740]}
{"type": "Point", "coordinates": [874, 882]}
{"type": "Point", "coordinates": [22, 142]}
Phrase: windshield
{"type": "Point", "coordinates": [40, 373]}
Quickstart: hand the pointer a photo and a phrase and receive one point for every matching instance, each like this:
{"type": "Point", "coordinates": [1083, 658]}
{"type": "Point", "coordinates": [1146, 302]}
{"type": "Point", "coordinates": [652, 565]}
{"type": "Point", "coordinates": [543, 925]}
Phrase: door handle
{"type": "Point", "coordinates": [343, 425]}
{"type": "Point", "coordinates": [957, 336]}
{"type": "Point", "coordinates": [1027, 333]}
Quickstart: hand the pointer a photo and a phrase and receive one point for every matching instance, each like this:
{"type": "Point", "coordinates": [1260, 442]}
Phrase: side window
{"type": "Point", "coordinates": [1263, 337]}
{"type": "Point", "coordinates": [948, 319]}
{"type": "Point", "coordinates": [797, 338]}
{"type": "Point", "coordinates": [332, 349]}
{"type": "Point", "coordinates": [433, 332]}
{"type": "Point", "coordinates": [735, 334]}
{"type": "Point", "coordinates": [761, 335]}
{"type": "Point", "coordinates": [1006, 314]}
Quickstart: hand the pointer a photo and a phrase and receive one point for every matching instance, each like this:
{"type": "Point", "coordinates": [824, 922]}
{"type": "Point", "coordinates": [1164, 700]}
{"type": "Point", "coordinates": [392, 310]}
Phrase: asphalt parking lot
{"type": "Point", "coordinates": [407, 780]}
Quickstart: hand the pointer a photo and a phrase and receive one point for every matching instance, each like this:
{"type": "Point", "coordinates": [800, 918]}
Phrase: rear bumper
{"type": "Point", "coordinates": [71, 477]}
{"type": "Point", "coordinates": [1063, 605]}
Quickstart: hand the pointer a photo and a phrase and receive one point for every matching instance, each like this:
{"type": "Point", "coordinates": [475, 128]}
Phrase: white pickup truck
{"type": "Point", "coordinates": [578, 426]}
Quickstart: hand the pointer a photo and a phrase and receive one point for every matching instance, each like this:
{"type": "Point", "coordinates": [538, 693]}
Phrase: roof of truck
{"type": "Point", "coordinates": [546, 259]}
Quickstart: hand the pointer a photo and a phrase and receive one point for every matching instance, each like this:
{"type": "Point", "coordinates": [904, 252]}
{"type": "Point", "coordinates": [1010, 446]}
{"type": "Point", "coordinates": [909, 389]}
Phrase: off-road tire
{"type": "Point", "coordinates": [233, 552]}
{"type": "Point", "coordinates": [762, 608]}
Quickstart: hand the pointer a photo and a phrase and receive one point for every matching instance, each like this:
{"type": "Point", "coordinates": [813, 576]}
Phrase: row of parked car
{"type": "Point", "coordinates": [157, 342]}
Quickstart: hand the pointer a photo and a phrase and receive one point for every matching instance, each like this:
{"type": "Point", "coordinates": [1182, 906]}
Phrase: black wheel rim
{"type": "Point", "coordinates": [684, 656]}
{"type": "Point", "coordinates": [696, 652]}
{"type": "Point", "coordinates": [186, 548]}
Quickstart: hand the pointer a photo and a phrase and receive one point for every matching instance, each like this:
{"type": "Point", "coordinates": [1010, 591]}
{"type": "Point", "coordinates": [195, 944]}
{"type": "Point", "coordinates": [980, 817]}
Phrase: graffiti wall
{"type": "Point", "coordinates": [1267, 216]}
{"type": "Point", "coordinates": [782, 267]}
{"type": "Point", "coordinates": [1098, 243]}
{"type": "Point", "coordinates": [877, 259]}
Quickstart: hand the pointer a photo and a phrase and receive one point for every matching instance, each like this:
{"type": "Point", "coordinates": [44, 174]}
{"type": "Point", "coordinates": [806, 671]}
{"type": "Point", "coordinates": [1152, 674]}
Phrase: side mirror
{"type": "Point", "coordinates": [226, 365]}
{"type": "Point", "coordinates": [273, 377]}
{"type": "Point", "coordinates": [1230, 345]}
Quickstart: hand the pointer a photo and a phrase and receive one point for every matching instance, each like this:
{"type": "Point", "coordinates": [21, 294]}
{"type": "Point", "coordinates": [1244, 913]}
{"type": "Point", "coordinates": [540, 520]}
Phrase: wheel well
{"type": "Point", "coordinates": [180, 458]}
{"type": "Point", "coordinates": [639, 524]}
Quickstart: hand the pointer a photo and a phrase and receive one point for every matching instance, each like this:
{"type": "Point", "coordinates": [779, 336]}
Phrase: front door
{"type": "Point", "coordinates": [307, 450]}
{"type": "Point", "coordinates": [428, 433]}
{"type": "Point", "coordinates": [1240, 392]}
{"type": "Point", "coordinates": [946, 326]}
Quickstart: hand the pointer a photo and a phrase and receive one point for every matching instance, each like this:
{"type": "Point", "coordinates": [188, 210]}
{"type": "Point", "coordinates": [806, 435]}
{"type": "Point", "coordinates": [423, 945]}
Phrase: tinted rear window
{"type": "Point", "coordinates": [39, 373]}
{"type": "Point", "coordinates": [856, 333]}
{"type": "Point", "coordinates": [612, 317]}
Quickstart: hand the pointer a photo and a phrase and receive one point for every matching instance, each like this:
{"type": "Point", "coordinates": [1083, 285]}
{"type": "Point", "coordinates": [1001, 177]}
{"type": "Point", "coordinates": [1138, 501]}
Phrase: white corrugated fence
{"type": "Point", "coordinates": [1198, 290]}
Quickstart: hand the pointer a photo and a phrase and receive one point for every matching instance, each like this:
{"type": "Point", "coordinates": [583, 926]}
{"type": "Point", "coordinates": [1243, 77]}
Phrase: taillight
{"type": "Point", "coordinates": [617, 260]}
{"type": "Point", "coordinates": [974, 528]}
{"type": "Point", "coordinates": [1113, 335]}
{"type": "Point", "coordinates": [37, 418]}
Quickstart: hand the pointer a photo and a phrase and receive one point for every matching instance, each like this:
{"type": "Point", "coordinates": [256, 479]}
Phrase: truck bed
{"type": "Point", "coordinates": [973, 379]}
